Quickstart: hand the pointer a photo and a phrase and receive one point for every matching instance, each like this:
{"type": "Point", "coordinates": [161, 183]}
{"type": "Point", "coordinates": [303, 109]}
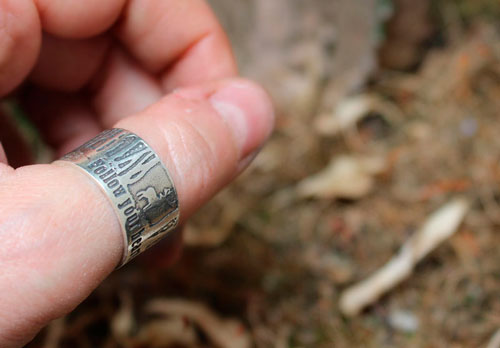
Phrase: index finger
{"type": "Point", "coordinates": [182, 40]}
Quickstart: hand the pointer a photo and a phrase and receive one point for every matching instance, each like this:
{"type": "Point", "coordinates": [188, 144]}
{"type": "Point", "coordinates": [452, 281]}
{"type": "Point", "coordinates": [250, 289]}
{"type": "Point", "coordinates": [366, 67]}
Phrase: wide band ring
{"type": "Point", "coordinates": [137, 184]}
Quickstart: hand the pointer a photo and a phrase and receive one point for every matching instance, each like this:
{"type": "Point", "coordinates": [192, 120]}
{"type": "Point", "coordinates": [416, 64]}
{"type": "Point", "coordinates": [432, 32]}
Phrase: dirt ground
{"type": "Point", "coordinates": [413, 87]}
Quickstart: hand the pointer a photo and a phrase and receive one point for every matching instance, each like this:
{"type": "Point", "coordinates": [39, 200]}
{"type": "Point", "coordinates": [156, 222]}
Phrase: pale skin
{"type": "Point", "coordinates": [162, 69]}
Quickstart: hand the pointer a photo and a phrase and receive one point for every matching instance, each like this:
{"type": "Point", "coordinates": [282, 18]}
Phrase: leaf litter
{"type": "Point", "coordinates": [269, 259]}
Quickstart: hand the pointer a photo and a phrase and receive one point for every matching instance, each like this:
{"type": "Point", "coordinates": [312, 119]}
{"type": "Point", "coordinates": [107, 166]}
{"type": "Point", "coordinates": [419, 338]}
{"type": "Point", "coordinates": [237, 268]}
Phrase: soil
{"type": "Point", "coordinates": [275, 261]}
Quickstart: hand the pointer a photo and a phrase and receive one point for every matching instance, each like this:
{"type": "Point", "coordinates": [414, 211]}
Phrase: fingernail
{"type": "Point", "coordinates": [248, 111]}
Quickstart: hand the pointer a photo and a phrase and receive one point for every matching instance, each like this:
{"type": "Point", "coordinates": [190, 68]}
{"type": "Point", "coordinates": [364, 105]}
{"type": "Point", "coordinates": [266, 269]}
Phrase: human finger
{"type": "Point", "coordinates": [183, 39]}
{"type": "Point", "coordinates": [184, 57]}
{"type": "Point", "coordinates": [68, 65]}
{"type": "Point", "coordinates": [76, 19]}
{"type": "Point", "coordinates": [123, 88]}
{"type": "Point", "coordinates": [60, 234]}
{"type": "Point", "coordinates": [20, 39]}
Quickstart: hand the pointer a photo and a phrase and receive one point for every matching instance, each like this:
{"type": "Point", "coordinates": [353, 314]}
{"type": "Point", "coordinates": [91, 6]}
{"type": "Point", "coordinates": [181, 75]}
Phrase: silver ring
{"type": "Point", "coordinates": [137, 184]}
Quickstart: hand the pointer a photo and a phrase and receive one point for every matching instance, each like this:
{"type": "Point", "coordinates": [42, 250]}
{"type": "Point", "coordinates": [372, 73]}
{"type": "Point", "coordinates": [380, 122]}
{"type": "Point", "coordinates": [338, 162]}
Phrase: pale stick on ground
{"type": "Point", "coordinates": [495, 340]}
{"type": "Point", "coordinates": [439, 226]}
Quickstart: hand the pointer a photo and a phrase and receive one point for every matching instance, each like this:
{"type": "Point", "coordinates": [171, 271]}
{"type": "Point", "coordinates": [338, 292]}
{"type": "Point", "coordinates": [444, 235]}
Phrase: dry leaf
{"type": "Point", "coordinates": [345, 177]}
{"type": "Point", "coordinates": [351, 110]}
{"type": "Point", "coordinates": [123, 320]}
{"type": "Point", "coordinates": [224, 333]}
{"type": "Point", "coordinates": [346, 114]}
{"type": "Point", "coordinates": [168, 332]}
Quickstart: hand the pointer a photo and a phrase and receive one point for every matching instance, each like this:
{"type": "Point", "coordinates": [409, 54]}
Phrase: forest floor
{"type": "Point", "coordinates": [412, 89]}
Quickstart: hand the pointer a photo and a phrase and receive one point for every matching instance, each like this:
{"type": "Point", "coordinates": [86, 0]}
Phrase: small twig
{"type": "Point", "coordinates": [224, 333]}
{"type": "Point", "coordinates": [440, 226]}
{"type": "Point", "coordinates": [495, 340]}
{"type": "Point", "coordinates": [55, 333]}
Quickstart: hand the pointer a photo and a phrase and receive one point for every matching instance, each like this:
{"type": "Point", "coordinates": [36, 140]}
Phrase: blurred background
{"type": "Point", "coordinates": [387, 135]}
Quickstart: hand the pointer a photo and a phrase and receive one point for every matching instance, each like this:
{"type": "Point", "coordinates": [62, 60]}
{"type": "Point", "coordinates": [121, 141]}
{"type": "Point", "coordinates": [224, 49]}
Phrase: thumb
{"type": "Point", "coordinates": [61, 237]}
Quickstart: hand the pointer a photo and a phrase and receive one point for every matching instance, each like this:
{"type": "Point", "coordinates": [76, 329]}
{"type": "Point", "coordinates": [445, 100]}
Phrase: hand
{"type": "Point", "coordinates": [162, 69]}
